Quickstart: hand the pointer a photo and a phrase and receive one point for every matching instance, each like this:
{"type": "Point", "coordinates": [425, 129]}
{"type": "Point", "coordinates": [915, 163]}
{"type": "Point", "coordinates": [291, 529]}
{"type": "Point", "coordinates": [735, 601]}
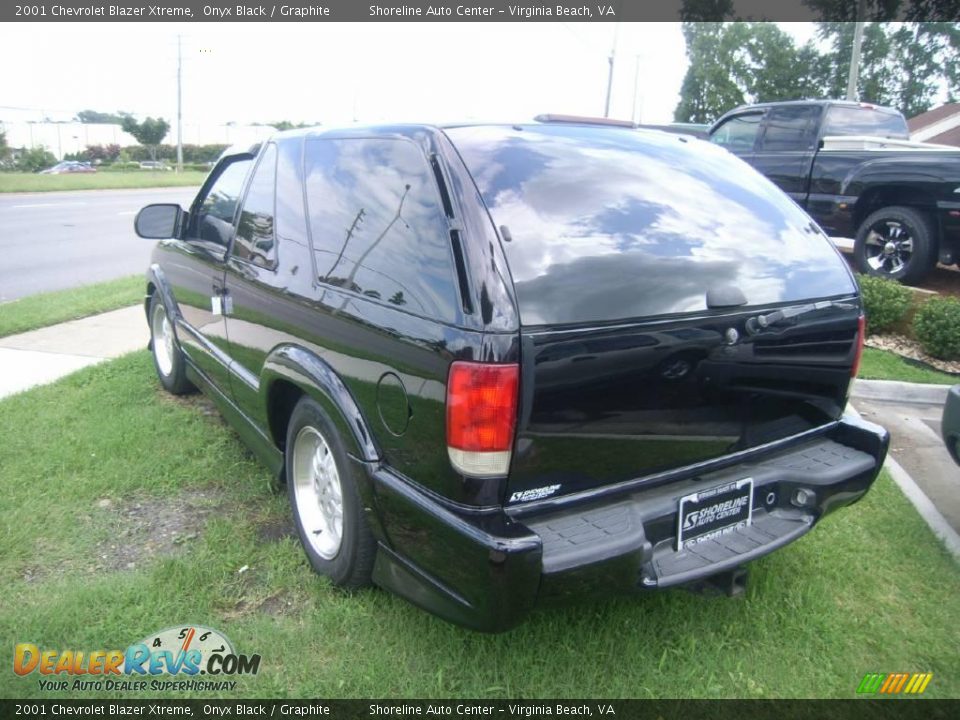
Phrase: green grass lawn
{"type": "Point", "coordinates": [97, 470]}
{"type": "Point", "coordinates": [32, 182]}
{"type": "Point", "coordinates": [51, 308]}
{"type": "Point", "coordinates": [884, 365]}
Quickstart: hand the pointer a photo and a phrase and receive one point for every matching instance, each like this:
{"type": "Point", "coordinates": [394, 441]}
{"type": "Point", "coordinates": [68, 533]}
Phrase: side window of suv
{"type": "Point", "coordinates": [214, 219]}
{"type": "Point", "coordinates": [739, 133]}
{"type": "Point", "coordinates": [255, 241]}
{"type": "Point", "coordinates": [377, 224]}
{"type": "Point", "coordinates": [790, 128]}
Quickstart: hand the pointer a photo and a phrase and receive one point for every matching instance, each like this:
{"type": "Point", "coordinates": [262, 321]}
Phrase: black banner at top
{"type": "Point", "coordinates": [477, 10]}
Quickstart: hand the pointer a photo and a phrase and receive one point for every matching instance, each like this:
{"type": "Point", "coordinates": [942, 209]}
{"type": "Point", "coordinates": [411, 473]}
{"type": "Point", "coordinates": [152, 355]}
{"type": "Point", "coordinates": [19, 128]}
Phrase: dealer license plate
{"type": "Point", "coordinates": [710, 513]}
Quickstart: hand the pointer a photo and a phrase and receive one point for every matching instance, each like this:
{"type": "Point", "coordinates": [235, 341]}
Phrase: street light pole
{"type": "Point", "coordinates": [636, 87]}
{"type": "Point", "coordinates": [179, 107]}
{"type": "Point", "coordinates": [613, 52]}
{"type": "Point", "coordinates": [855, 54]}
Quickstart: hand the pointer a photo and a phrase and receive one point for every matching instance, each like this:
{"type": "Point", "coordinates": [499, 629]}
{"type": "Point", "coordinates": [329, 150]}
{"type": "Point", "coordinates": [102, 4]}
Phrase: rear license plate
{"type": "Point", "coordinates": [709, 513]}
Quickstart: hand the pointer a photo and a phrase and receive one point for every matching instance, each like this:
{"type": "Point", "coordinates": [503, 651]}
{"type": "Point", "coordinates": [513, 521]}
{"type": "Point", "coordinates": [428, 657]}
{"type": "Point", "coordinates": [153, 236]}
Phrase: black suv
{"type": "Point", "coordinates": [496, 363]}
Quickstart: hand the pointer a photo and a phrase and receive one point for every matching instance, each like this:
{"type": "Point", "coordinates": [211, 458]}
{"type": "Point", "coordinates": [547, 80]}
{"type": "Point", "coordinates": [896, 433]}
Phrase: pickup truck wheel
{"type": "Point", "coordinates": [167, 356]}
{"type": "Point", "coordinates": [326, 505]}
{"type": "Point", "coordinates": [897, 243]}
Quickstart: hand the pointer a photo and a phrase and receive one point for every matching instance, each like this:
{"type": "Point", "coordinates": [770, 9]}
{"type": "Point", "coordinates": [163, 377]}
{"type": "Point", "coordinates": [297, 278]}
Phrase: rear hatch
{"type": "Point", "coordinates": [676, 308]}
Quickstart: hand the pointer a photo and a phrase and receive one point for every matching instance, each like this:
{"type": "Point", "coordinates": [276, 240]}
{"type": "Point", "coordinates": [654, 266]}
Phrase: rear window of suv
{"type": "Point", "coordinates": [609, 224]}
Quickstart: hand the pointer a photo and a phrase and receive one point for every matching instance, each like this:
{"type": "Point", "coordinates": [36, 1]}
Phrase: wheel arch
{"type": "Point", "coordinates": [880, 196]}
{"type": "Point", "coordinates": [157, 285]}
{"type": "Point", "coordinates": [291, 372]}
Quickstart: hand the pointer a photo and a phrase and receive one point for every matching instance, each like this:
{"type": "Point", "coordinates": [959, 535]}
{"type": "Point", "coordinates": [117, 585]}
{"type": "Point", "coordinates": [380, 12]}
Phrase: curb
{"type": "Point", "coordinates": [904, 392]}
{"type": "Point", "coordinates": [923, 505]}
{"type": "Point", "coordinates": [937, 523]}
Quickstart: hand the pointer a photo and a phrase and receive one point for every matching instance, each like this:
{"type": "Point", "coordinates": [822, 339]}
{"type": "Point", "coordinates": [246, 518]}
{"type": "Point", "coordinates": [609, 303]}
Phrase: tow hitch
{"type": "Point", "coordinates": [732, 583]}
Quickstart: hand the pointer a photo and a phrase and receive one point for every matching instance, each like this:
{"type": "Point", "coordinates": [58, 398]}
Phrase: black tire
{"type": "Point", "coordinates": [350, 564]}
{"type": "Point", "coordinates": [898, 243]}
{"type": "Point", "coordinates": [168, 358]}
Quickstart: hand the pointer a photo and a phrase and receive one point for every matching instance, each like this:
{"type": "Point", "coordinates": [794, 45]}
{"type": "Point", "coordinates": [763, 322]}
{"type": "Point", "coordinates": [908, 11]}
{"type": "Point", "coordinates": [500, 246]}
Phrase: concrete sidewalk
{"type": "Point", "coordinates": [44, 355]}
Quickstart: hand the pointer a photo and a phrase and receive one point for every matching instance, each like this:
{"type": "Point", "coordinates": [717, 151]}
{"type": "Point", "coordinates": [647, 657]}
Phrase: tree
{"type": "Point", "coordinates": [902, 65]}
{"type": "Point", "coordinates": [149, 133]}
{"type": "Point", "coordinates": [735, 63]}
{"type": "Point", "coordinates": [882, 10]}
{"type": "Point", "coordinates": [287, 125]}
{"type": "Point", "coordinates": [92, 116]}
{"type": "Point", "coordinates": [34, 159]}
{"type": "Point", "coordinates": [4, 148]}
{"type": "Point", "coordinates": [718, 61]}
{"type": "Point", "coordinates": [102, 153]}
{"type": "Point", "coordinates": [777, 69]}
{"type": "Point", "coordinates": [704, 10]}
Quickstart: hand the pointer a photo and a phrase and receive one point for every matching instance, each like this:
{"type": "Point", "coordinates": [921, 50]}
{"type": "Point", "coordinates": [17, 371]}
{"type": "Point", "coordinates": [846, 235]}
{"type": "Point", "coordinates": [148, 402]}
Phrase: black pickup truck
{"type": "Point", "coordinates": [852, 167]}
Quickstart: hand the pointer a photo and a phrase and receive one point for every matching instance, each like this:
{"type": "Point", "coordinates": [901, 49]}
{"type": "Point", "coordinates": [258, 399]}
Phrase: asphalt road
{"type": "Point", "coordinates": [53, 241]}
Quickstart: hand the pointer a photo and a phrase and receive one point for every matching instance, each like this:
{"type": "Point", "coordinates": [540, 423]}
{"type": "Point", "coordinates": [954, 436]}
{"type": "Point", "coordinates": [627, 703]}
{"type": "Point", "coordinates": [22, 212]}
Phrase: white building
{"type": "Point", "coordinates": [62, 138]}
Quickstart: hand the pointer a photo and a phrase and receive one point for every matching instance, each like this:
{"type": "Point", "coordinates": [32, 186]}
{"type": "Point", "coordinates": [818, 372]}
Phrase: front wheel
{"type": "Point", "coordinates": [167, 356]}
{"type": "Point", "coordinates": [896, 243]}
{"type": "Point", "coordinates": [325, 501]}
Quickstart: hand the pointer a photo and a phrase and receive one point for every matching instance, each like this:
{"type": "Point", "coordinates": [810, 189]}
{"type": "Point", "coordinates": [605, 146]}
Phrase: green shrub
{"type": "Point", "coordinates": [885, 302]}
{"type": "Point", "coordinates": [191, 153]}
{"type": "Point", "coordinates": [937, 327]}
{"type": "Point", "coordinates": [34, 159]}
{"type": "Point", "coordinates": [120, 166]}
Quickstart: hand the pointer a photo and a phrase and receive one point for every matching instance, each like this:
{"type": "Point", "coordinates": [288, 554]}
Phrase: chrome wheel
{"type": "Point", "coordinates": [163, 340]}
{"type": "Point", "coordinates": [888, 247]}
{"type": "Point", "coordinates": [317, 492]}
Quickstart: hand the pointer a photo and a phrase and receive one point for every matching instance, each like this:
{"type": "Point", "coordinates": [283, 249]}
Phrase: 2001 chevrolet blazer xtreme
{"type": "Point", "coordinates": [497, 363]}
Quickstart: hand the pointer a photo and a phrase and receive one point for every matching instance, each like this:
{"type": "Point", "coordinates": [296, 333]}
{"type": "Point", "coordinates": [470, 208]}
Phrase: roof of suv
{"type": "Point", "coordinates": [389, 127]}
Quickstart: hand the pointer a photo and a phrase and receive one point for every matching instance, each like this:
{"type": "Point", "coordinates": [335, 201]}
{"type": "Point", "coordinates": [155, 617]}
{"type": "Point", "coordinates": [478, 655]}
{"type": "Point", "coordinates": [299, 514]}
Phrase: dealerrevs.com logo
{"type": "Point", "coordinates": [171, 659]}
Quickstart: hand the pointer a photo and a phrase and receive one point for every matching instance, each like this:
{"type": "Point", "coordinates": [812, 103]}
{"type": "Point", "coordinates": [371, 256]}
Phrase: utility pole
{"type": "Point", "coordinates": [613, 52]}
{"type": "Point", "coordinates": [636, 86]}
{"type": "Point", "coordinates": [855, 54]}
{"type": "Point", "coordinates": [179, 107]}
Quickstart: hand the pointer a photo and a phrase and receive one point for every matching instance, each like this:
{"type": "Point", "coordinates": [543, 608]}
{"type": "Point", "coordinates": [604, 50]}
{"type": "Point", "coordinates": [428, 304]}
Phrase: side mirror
{"type": "Point", "coordinates": [160, 221]}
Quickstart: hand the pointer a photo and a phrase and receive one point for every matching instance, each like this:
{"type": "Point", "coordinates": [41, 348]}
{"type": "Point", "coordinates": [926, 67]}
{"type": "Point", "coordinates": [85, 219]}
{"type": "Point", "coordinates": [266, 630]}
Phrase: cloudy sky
{"type": "Point", "coordinates": [334, 73]}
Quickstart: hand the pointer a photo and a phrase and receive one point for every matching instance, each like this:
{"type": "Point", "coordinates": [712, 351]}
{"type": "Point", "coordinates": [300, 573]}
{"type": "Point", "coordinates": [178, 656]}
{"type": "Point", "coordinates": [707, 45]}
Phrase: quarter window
{"type": "Point", "coordinates": [255, 241]}
{"type": "Point", "coordinates": [377, 226]}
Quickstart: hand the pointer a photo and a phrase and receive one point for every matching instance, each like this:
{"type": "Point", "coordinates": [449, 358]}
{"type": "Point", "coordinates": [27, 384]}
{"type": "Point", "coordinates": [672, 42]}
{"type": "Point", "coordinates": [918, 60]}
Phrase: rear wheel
{"type": "Point", "coordinates": [897, 243]}
{"type": "Point", "coordinates": [167, 356]}
{"type": "Point", "coordinates": [326, 505]}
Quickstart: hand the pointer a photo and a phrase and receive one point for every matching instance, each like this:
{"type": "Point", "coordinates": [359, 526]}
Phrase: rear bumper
{"type": "Point", "coordinates": [487, 570]}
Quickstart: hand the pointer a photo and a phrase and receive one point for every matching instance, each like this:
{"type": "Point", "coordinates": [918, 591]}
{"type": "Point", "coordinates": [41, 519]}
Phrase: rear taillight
{"type": "Point", "coordinates": [861, 332]}
{"type": "Point", "coordinates": [481, 417]}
